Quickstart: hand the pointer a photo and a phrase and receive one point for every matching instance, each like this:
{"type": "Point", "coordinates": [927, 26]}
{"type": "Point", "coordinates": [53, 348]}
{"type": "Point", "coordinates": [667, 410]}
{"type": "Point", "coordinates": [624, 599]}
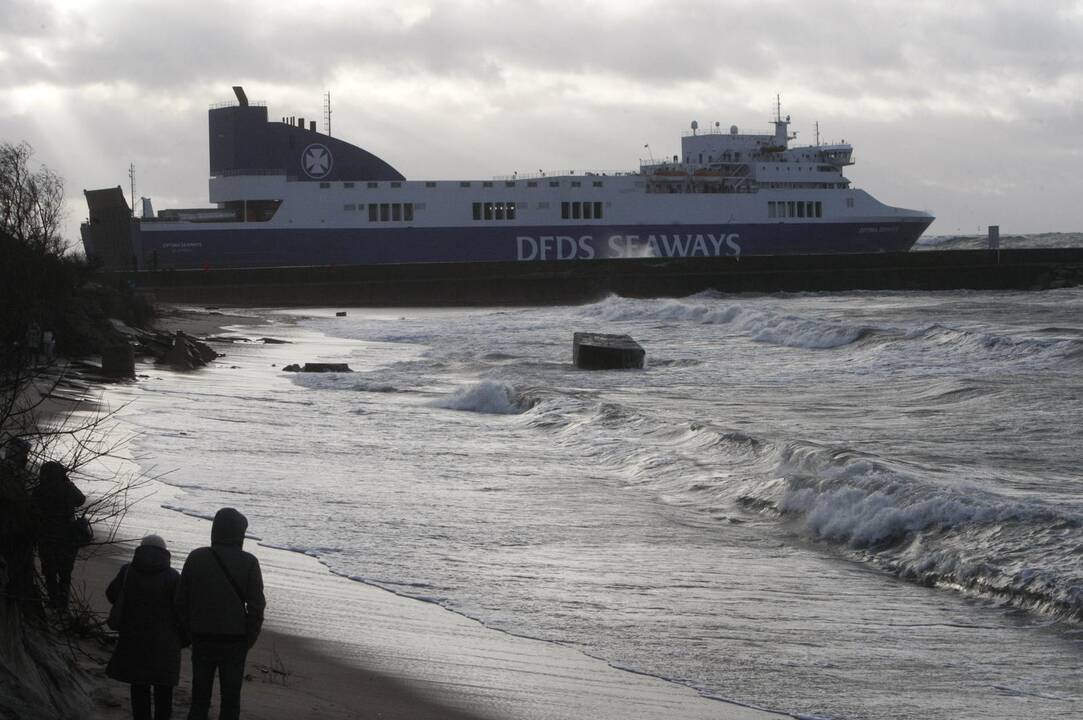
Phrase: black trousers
{"type": "Point", "coordinates": [141, 702]}
{"type": "Point", "coordinates": [225, 656]}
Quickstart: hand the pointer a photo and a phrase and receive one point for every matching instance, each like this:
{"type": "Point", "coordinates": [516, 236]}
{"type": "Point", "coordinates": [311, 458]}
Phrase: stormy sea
{"type": "Point", "coordinates": [856, 505]}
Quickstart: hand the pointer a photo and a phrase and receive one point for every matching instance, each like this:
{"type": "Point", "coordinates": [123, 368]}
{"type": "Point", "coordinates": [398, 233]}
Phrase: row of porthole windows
{"type": "Point", "coordinates": [794, 208]}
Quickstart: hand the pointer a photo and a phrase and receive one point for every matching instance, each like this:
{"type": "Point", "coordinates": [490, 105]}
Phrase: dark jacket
{"type": "Point", "coordinates": [207, 602]}
{"type": "Point", "coordinates": [149, 648]}
{"type": "Point", "coordinates": [56, 498]}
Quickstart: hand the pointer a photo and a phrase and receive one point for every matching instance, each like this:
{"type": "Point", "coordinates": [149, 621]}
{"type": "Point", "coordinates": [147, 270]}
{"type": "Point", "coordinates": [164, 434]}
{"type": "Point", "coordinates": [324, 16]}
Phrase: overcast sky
{"type": "Point", "coordinates": [971, 110]}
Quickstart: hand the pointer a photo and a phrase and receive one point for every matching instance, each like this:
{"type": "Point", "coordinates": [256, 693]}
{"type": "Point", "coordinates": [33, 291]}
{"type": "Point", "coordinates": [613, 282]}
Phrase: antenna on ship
{"type": "Point", "coordinates": [817, 133]}
{"type": "Point", "coordinates": [778, 107]}
{"type": "Point", "coordinates": [327, 111]}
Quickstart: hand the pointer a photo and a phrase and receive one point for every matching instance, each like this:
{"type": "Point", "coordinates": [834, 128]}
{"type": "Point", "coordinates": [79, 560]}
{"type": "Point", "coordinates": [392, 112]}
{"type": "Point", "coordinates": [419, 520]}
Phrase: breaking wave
{"type": "Point", "coordinates": [487, 397]}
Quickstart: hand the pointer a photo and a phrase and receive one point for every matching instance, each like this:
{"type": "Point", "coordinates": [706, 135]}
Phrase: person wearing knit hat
{"type": "Point", "coordinates": [148, 650]}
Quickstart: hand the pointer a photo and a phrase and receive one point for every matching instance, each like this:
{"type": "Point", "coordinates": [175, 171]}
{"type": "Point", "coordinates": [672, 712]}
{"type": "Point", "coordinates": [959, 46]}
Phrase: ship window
{"type": "Point", "coordinates": [347, 185]}
{"type": "Point", "coordinates": [464, 183]}
{"type": "Point", "coordinates": [576, 210]}
{"type": "Point", "coordinates": [477, 211]}
{"type": "Point", "coordinates": [373, 212]}
{"type": "Point", "coordinates": [486, 184]}
{"type": "Point", "coordinates": [597, 211]}
{"type": "Point", "coordinates": [849, 202]}
{"type": "Point", "coordinates": [373, 185]}
{"type": "Point", "coordinates": [701, 158]}
{"type": "Point", "coordinates": [396, 212]}
{"type": "Point", "coordinates": [509, 183]}
{"type": "Point", "coordinates": [511, 211]}
{"type": "Point", "coordinates": [430, 183]}
{"type": "Point", "coordinates": [588, 211]}
{"type": "Point", "coordinates": [396, 184]}
{"type": "Point", "coordinates": [385, 212]}
{"type": "Point", "coordinates": [597, 183]}
{"type": "Point", "coordinates": [819, 209]}
{"type": "Point", "coordinates": [532, 183]}
{"type": "Point", "coordinates": [791, 211]}
{"type": "Point", "coordinates": [408, 212]}
{"type": "Point", "coordinates": [809, 209]}
{"type": "Point", "coordinates": [488, 211]}
{"type": "Point", "coordinates": [800, 209]}
{"type": "Point", "coordinates": [349, 206]}
{"type": "Point", "coordinates": [565, 210]}
{"type": "Point", "coordinates": [554, 183]}
{"type": "Point", "coordinates": [324, 186]}
{"type": "Point", "coordinates": [576, 183]}
{"type": "Point", "coordinates": [498, 209]}
{"type": "Point", "coordinates": [771, 209]}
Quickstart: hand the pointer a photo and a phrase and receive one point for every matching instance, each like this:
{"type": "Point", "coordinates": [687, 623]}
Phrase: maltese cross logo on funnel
{"type": "Point", "coordinates": [316, 161]}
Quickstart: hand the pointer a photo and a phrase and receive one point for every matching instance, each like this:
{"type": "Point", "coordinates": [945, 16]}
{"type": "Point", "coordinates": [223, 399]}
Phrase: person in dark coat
{"type": "Point", "coordinates": [18, 529]}
{"type": "Point", "coordinates": [148, 652]}
{"type": "Point", "coordinates": [56, 498]}
{"type": "Point", "coordinates": [220, 602]}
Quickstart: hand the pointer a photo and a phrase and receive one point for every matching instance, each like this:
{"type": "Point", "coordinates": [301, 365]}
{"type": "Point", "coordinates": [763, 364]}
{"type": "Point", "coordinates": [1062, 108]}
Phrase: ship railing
{"type": "Point", "coordinates": [535, 175]}
{"type": "Point", "coordinates": [234, 103]}
{"type": "Point", "coordinates": [235, 173]}
{"type": "Point", "coordinates": [723, 131]}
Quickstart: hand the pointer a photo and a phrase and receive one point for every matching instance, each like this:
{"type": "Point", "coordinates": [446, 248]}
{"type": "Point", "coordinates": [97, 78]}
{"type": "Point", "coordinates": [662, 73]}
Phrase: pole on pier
{"type": "Point", "coordinates": [994, 240]}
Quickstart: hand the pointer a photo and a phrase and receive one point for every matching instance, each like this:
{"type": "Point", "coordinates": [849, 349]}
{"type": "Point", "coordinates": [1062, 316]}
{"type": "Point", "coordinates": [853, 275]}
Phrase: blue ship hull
{"type": "Point", "coordinates": [253, 246]}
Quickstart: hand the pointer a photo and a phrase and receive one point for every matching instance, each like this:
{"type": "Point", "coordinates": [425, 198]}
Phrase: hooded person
{"type": "Point", "coordinates": [148, 651]}
{"type": "Point", "coordinates": [220, 602]}
{"type": "Point", "coordinates": [57, 498]}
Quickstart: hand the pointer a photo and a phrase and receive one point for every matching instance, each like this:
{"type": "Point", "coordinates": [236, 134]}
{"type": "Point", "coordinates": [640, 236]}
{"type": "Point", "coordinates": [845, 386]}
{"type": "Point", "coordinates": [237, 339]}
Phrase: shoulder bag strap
{"type": "Point", "coordinates": [232, 583]}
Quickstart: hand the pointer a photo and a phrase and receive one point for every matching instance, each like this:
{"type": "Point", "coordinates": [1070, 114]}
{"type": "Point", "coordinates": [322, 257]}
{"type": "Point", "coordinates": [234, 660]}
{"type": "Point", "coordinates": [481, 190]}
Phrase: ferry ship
{"type": "Point", "coordinates": [287, 195]}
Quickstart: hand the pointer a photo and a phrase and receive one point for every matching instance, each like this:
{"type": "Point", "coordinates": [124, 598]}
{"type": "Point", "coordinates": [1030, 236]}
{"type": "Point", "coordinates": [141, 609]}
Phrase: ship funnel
{"type": "Point", "coordinates": [241, 97]}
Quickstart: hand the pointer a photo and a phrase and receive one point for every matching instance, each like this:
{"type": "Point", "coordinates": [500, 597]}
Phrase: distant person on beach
{"type": "Point", "coordinates": [148, 652]}
{"type": "Point", "coordinates": [57, 498]}
{"type": "Point", "coordinates": [220, 602]}
{"type": "Point", "coordinates": [18, 526]}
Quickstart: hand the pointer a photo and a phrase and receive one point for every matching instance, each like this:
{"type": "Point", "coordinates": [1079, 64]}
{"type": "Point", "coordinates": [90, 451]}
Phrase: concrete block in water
{"type": "Point", "coordinates": [597, 351]}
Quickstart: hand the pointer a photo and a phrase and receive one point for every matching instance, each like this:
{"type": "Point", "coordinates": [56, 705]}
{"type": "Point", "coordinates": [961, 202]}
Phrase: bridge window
{"type": "Point", "coordinates": [373, 186]}
{"type": "Point", "coordinates": [576, 183]}
{"type": "Point", "coordinates": [396, 212]}
{"type": "Point", "coordinates": [597, 183]}
{"type": "Point", "coordinates": [347, 185]}
{"type": "Point", "coordinates": [430, 183]}
{"type": "Point", "coordinates": [324, 186]}
{"type": "Point", "coordinates": [771, 212]}
{"type": "Point", "coordinates": [509, 183]}
{"type": "Point", "coordinates": [385, 212]}
{"type": "Point", "coordinates": [486, 184]}
{"type": "Point", "coordinates": [819, 209]}
{"type": "Point", "coordinates": [396, 184]}
{"type": "Point", "coordinates": [374, 212]}
{"type": "Point", "coordinates": [554, 183]}
{"type": "Point", "coordinates": [532, 183]}
{"type": "Point", "coordinates": [464, 183]}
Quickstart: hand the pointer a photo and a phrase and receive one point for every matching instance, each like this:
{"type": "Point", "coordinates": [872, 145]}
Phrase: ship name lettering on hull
{"type": "Point", "coordinates": [586, 247]}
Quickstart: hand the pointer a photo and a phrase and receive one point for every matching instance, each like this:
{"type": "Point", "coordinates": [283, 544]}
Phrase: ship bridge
{"type": "Point", "coordinates": [714, 160]}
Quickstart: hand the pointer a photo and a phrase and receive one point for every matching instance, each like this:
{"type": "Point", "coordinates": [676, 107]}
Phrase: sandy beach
{"type": "Point", "coordinates": [336, 648]}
